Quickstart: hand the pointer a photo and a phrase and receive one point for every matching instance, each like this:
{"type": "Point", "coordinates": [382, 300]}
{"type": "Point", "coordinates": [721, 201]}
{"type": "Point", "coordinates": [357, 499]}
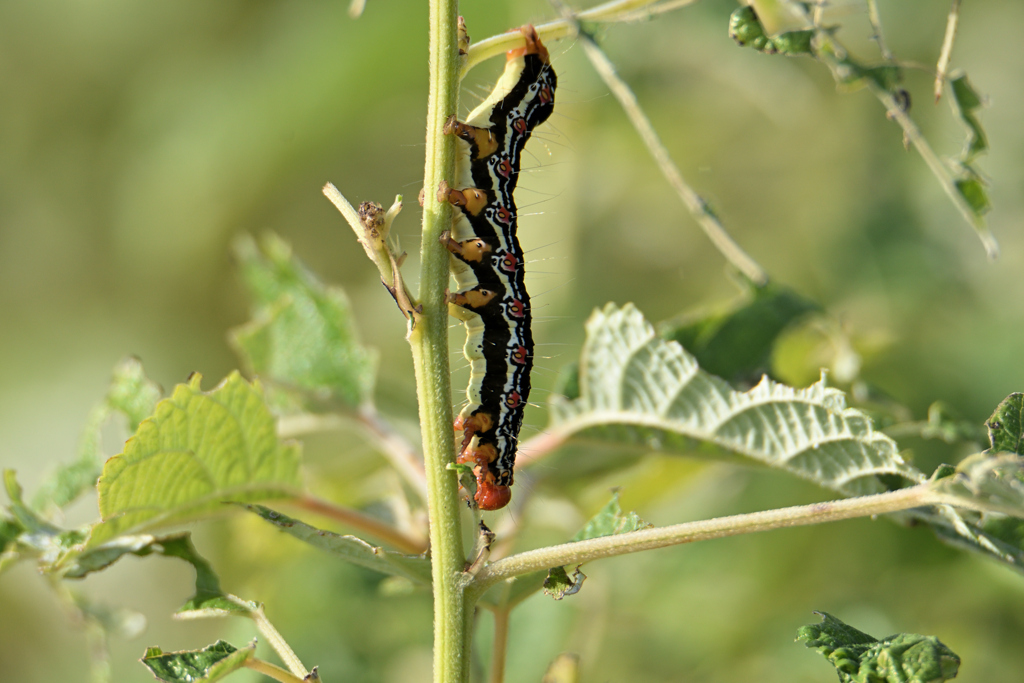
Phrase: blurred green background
{"type": "Point", "coordinates": [138, 138]}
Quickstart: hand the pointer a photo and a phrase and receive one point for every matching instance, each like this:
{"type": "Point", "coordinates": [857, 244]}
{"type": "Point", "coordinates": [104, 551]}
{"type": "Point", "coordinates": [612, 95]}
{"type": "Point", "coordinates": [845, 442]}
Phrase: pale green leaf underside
{"type": "Point", "coordinates": [350, 548]}
{"type": "Point", "coordinates": [198, 451]}
{"type": "Point", "coordinates": [639, 389]}
{"type": "Point", "coordinates": [989, 482]}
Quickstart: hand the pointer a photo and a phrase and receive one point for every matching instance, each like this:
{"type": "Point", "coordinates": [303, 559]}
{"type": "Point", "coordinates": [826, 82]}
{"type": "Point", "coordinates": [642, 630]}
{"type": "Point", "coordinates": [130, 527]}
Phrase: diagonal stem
{"type": "Point", "coordinates": [661, 537]}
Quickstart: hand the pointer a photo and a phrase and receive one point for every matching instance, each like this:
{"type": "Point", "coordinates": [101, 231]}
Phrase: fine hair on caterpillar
{"type": "Point", "coordinates": [488, 265]}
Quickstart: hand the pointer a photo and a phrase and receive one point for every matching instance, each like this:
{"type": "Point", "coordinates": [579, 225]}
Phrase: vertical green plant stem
{"type": "Point", "coordinates": [429, 341]}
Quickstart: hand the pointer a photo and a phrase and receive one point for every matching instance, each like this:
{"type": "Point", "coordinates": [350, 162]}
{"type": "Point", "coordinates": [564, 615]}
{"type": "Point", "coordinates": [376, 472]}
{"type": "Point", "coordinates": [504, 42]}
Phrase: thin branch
{"type": "Point", "coordinates": [276, 640]}
{"type": "Point", "coordinates": [947, 48]}
{"type": "Point", "coordinates": [372, 224]}
{"type": "Point", "coordinates": [939, 169]}
{"type": "Point", "coordinates": [270, 670]}
{"type": "Point", "coordinates": [500, 646]}
{"type": "Point", "coordinates": [911, 133]}
{"type": "Point", "coordinates": [402, 455]}
{"type": "Point", "coordinates": [694, 202]}
{"type": "Point", "coordinates": [610, 12]}
{"type": "Point", "coordinates": [648, 539]}
{"type": "Point", "coordinates": [876, 29]}
{"type": "Point", "coordinates": [364, 523]}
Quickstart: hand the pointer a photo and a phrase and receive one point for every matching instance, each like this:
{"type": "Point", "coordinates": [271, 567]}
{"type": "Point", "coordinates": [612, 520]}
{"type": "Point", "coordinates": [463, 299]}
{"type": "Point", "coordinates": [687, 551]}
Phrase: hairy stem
{"type": "Point", "coordinates": [429, 342]}
{"type": "Point", "coordinates": [648, 539]}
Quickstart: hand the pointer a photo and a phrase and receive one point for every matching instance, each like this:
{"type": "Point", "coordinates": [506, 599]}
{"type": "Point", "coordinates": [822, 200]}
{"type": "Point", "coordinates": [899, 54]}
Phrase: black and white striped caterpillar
{"type": "Point", "coordinates": [487, 263]}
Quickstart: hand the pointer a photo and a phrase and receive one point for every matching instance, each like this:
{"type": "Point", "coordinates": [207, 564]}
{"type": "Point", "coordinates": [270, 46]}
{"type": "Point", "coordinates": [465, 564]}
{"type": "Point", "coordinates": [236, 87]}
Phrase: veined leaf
{"type": "Point", "coordinates": [860, 658]}
{"type": "Point", "coordinates": [1006, 425]}
{"type": "Point", "coordinates": [350, 548]}
{"type": "Point", "coordinates": [302, 335]}
{"type": "Point", "coordinates": [198, 451]}
{"type": "Point", "coordinates": [212, 663]}
{"type": "Point", "coordinates": [641, 390]}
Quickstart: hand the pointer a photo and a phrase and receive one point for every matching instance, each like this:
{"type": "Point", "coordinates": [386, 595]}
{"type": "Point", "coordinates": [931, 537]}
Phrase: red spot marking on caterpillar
{"type": "Point", "coordinates": [545, 95]}
{"type": "Point", "coordinates": [519, 354]}
{"type": "Point", "coordinates": [504, 168]}
{"type": "Point", "coordinates": [503, 215]}
{"type": "Point", "coordinates": [519, 125]}
{"type": "Point", "coordinates": [516, 308]}
{"type": "Point", "coordinates": [513, 399]}
{"type": "Point", "coordinates": [509, 263]}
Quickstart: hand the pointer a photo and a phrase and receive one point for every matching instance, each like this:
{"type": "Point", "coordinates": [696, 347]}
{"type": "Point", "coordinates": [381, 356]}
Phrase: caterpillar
{"type": "Point", "coordinates": [487, 263]}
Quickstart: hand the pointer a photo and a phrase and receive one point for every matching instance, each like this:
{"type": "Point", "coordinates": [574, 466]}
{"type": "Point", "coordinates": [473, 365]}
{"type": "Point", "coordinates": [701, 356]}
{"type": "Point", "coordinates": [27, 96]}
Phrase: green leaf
{"type": "Point", "coordinates": [967, 101]}
{"type": "Point", "coordinates": [610, 521]}
{"type": "Point", "coordinates": [302, 335]}
{"type": "Point", "coordinates": [350, 548]}
{"type": "Point", "coordinates": [736, 342]}
{"type": "Point", "coordinates": [208, 593]}
{"type": "Point", "coordinates": [1006, 425]}
{"type": "Point", "coordinates": [132, 394]}
{"type": "Point", "coordinates": [23, 515]}
{"type": "Point", "coordinates": [643, 391]}
{"type": "Point", "coordinates": [24, 534]}
{"type": "Point", "coordinates": [198, 451]}
{"type": "Point", "coordinates": [746, 29]}
{"type": "Point", "coordinates": [853, 74]}
{"type": "Point", "coordinates": [558, 584]}
{"type": "Point", "coordinates": [860, 658]}
{"type": "Point", "coordinates": [972, 189]}
{"type": "Point", "coordinates": [990, 482]}
{"type": "Point", "coordinates": [212, 663]}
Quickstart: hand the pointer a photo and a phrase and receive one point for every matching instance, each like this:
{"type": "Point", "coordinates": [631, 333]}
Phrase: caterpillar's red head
{"type": "Point", "coordinates": [491, 496]}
